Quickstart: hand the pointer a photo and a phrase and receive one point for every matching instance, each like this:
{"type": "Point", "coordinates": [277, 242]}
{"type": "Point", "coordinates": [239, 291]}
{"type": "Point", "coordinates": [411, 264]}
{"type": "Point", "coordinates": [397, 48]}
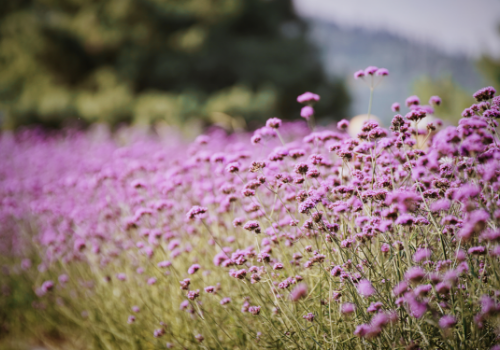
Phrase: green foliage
{"type": "Point", "coordinates": [144, 61]}
{"type": "Point", "coordinates": [455, 98]}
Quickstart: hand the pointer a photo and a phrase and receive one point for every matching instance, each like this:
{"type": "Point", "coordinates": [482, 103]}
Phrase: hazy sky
{"type": "Point", "coordinates": [468, 27]}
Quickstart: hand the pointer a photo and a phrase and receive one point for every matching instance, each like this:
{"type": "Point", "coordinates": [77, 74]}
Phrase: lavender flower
{"type": "Point", "coordinates": [412, 101]}
{"type": "Point", "coordinates": [308, 97]}
{"type": "Point", "coordinates": [299, 292]}
{"type": "Point", "coordinates": [309, 317]}
{"type": "Point", "coordinates": [306, 112]}
{"type": "Point", "coordinates": [273, 123]}
{"type": "Point", "coordinates": [382, 72]}
{"type": "Point", "coordinates": [193, 268]}
{"type": "Point", "coordinates": [365, 288]}
{"type": "Point", "coordinates": [435, 100]}
{"type": "Point", "coordinates": [447, 321]}
{"type": "Point", "coordinates": [484, 94]}
{"type": "Point", "coordinates": [348, 308]}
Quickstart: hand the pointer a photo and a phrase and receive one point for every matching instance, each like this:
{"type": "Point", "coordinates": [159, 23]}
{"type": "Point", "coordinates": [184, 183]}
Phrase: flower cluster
{"type": "Point", "coordinates": [298, 239]}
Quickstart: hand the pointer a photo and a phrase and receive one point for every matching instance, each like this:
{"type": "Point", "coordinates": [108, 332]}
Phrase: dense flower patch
{"type": "Point", "coordinates": [282, 239]}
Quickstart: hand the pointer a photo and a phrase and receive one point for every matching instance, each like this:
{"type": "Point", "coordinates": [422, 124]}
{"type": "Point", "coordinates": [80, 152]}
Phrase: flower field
{"type": "Point", "coordinates": [287, 238]}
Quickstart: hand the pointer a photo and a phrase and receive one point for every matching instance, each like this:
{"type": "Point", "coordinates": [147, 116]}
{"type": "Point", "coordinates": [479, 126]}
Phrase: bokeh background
{"type": "Point", "coordinates": [193, 63]}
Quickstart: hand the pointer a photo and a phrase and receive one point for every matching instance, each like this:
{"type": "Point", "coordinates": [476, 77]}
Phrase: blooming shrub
{"type": "Point", "coordinates": [284, 239]}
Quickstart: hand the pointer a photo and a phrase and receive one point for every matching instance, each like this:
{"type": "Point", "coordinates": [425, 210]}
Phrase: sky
{"type": "Point", "coordinates": [465, 27]}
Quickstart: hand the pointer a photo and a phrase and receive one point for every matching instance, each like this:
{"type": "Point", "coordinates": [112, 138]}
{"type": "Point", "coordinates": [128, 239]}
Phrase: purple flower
{"type": "Point", "coordinates": [195, 212]}
{"type": "Point", "coordinates": [348, 308]}
{"type": "Point", "coordinates": [400, 288]}
{"type": "Point", "coordinates": [416, 308]}
{"type": "Point", "coordinates": [308, 97]}
{"type": "Point", "coordinates": [225, 301]}
{"type": "Point", "coordinates": [158, 332]}
{"type": "Point", "coordinates": [193, 294]}
{"type": "Point", "coordinates": [131, 319]}
{"type": "Point", "coordinates": [447, 321]}
{"type": "Point", "coordinates": [199, 338]}
{"type": "Point", "coordinates": [370, 70]}
{"type": "Point", "coordinates": [416, 114]}
{"type": "Point", "coordinates": [422, 254]}
{"type": "Point", "coordinates": [254, 310]}
{"type": "Point", "coordinates": [423, 289]}
{"type": "Point", "coordinates": [443, 287]}
{"type": "Point", "coordinates": [163, 264]}
{"type": "Point", "coordinates": [362, 330]}
{"type": "Point", "coordinates": [309, 317]}
{"type": "Point", "coordinates": [252, 226]}
{"type": "Point", "coordinates": [492, 113]}
{"type": "Point", "coordinates": [193, 268]}
{"type": "Point", "coordinates": [47, 286]}
{"type": "Point", "coordinates": [412, 101]}
{"type": "Point", "coordinates": [395, 107]}
{"type": "Point", "coordinates": [415, 274]}
{"type": "Point", "coordinates": [301, 168]}
{"type": "Point", "coordinates": [382, 72]}
{"type": "Point", "coordinates": [440, 205]}
{"type": "Point", "coordinates": [63, 278]}
{"type": "Point", "coordinates": [343, 124]}
{"type": "Point", "coordinates": [306, 112]}
{"type": "Point", "coordinates": [405, 220]}
{"type": "Point", "coordinates": [273, 123]}
{"type": "Point", "coordinates": [233, 167]}
{"type": "Point", "coordinates": [306, 205]}
{"type": "Point", "coordinates": [336, 271]}
{"type": "Point", "coordinates": [489, 307]}
{"type": "Point", "coordinates": [278, 266]}
{"type": "Point", "coordinates": [151, 281]}
{"type": "Point", "coordinates": [239, 274]}
{"type": "Point", "coordinates": [184, 304]}
{"type": "Point", "coordinates": [374, 307]}
{"type": "Point", "coordinates": [299, 292]}
{"type": "Point", "coordinates": [477, 250]}
{"type": "Point", "coordinates": [359, 74]}
{"type": "Point", "coordinates": [185, 284]}
{"type": "Point", "coordinates": [385, 248]}
{"type": "Point", "coordinates": [484, 94]}
{"type": "Point", "coordinates": [435, 101]}
{"type": "Point", "coordinates": [365, 288]}
{"type": "Point", "coordinates": [210, 289]}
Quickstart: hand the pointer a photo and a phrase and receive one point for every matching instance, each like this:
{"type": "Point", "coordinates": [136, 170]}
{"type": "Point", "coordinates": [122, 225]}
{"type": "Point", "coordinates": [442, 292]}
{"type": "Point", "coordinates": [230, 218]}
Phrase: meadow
{"type": "Point", "coordinates": [291, 237]}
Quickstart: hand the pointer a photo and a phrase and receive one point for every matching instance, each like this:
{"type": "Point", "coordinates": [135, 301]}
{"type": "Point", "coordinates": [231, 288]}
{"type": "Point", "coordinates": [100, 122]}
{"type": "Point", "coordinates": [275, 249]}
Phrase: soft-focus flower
{"type": "Point", "coordinates": [370, 70]}
{"type": "Point", "coordinates": [359, 74]}
{"type": "Point", "coordinates": [306, 112]}
{"type": "Point", "coordinates": [348, 308]}
{"type": "Point", "coordinates": [309, 317]}
{"type": "Point", "coordinates": [435, 100]}
{"type": "Point", "coordinates": [447, 321]}
{"type": "Point", "coordinates": [308, 97]}
{"type": "Point", "coordinates": [343, 124]}
{"type": "Point", "coordinates": [412, 101]}
{"type": "Point", "coordinates": [299, 292]}
{"type": "Point", "coordinates": [422, 254]}
{"type": "Point", "coordinates": [193, 268]}
{"type": "Point", "coordinates": [382, 72]}
{"type": "Point", "coordinates": [415, 274]}
{"type": "Point", "coordinates": [365, 288]}
{"type": "Point", "coordinates": [484, 94]}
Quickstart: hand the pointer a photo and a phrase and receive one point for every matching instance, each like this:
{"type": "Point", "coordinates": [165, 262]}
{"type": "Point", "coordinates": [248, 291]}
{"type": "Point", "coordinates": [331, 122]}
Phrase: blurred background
{"type": "Point", "coordinates": [235, 63]}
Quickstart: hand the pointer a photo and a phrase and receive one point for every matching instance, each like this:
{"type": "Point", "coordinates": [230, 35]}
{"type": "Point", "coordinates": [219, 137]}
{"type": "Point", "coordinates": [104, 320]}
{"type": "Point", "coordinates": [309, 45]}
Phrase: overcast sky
{"type": "Point", "coordinates": [467, 27]}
